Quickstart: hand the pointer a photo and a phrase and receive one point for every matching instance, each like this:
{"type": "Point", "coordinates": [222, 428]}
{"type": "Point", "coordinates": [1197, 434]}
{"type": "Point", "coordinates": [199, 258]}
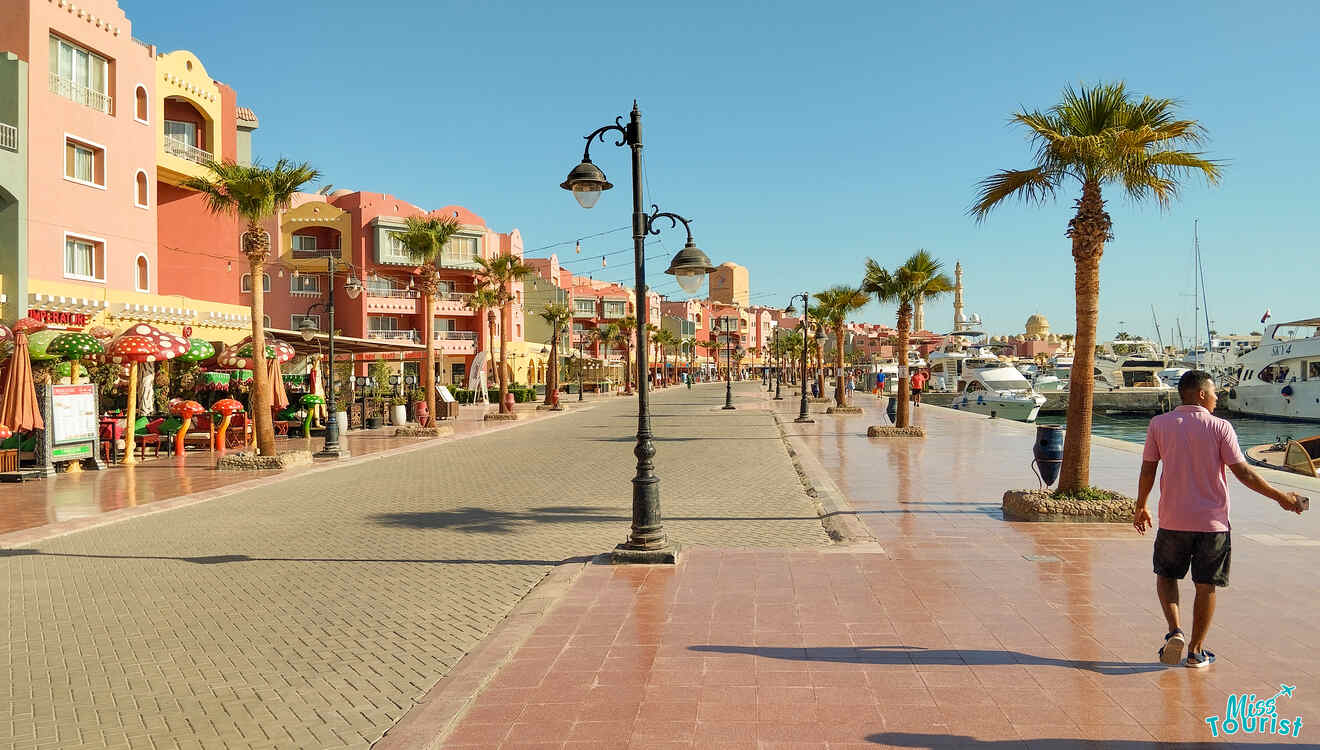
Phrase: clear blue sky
{"type": "Point", "coordinates": [800, 138]}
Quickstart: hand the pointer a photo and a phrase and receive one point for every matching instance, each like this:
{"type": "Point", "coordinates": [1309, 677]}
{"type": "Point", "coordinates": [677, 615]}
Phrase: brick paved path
{"type": "Point", "coordinates": [311, 613]}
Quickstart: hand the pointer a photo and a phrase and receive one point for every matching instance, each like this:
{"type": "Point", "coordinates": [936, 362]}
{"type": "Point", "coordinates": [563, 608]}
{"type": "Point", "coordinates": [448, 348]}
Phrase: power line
{"type": "Point", "coordinates": [575, 240]}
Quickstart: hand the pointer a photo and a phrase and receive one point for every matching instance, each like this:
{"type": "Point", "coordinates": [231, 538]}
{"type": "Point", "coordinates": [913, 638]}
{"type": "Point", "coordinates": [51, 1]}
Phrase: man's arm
{"type": "Point", "coordinates": [1255, 482]}
{"type": "Point", "coordinates": [1141, 516]}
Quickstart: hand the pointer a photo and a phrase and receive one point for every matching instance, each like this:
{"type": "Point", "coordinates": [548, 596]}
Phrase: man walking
{"type": "Point", "coordinates": [1194, 529]}
{"type": "Point", "coordinates": [918, 381]}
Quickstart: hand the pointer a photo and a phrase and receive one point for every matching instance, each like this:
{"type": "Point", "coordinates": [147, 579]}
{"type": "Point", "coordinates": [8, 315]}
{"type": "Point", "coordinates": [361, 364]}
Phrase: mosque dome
{"type": "Point", "coordinates": [1037, 325]}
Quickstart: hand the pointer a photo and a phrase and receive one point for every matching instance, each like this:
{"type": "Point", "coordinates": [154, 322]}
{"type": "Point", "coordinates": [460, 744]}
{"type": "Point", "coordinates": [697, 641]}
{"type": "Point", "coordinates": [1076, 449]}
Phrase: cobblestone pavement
{"type": "Point", "coordinates": [312, 613]}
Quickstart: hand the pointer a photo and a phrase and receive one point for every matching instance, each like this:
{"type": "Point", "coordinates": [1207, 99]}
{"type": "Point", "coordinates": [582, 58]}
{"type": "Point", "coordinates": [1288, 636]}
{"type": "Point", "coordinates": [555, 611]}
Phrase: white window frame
{"type": "Point", "coordinates": [147, 204]}
{"type": "Point", "coordinates": [586, 309]}
{"type": "Point", "coordinates": [145, 90]}
{"type": "Point", "coordinates": [105, 260]}
{"type": "Point", "coordinates": [298, 279]}
{"type": "Point", "coordinates": [296, 320]}
{"type": "Point", "coordinates": [371, 319]}
{"type": "Point", "coordinates": [294, 241]}
{"type": "Point", "coordinates": [193, 125]}
{"type": "Point", "coordinates": [395, 253]}
{"type": "Point", "coordinates": [147, 286]}
{"type": "Point", "coordinates": [93, 59]}
{"type": "Point", "coordinates": [105, 161]}
{"type": "Point", "coordinates": [452, 260]}
{"type": "Point", "coordinates": [246, 281]}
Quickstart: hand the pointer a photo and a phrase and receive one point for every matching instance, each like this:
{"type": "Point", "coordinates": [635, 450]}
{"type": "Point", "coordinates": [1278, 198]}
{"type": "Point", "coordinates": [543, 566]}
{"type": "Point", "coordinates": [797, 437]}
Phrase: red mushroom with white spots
{"type": "Point", "coordinates": [132, 349]}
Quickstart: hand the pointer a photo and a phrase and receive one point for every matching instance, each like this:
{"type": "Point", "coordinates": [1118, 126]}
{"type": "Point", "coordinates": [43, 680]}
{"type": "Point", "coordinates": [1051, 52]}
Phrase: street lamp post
{"type": "Point", "coordinates": [728, 365]}
{"type": "Point", "coordinates": [647, 542]}
{"type": "Point", "coordinates": [307, 329]}
{"type": "Point", "coordinates": [779, 365]}
{"type": "Point", "coordinates": [806, 318]}
{"type": "Point", "coordinates": [582, 363]}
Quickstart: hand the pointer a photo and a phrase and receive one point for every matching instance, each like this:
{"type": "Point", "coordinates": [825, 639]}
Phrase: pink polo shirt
{"type": "Point", "coordinates": [1195, 446]}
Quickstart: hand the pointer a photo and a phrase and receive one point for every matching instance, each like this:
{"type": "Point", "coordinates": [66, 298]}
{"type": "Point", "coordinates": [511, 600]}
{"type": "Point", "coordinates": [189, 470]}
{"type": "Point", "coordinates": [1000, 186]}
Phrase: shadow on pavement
{"type": "Point", "coordinates": [485, 520]}
{"type": "Point", "coordinates": [221, 559]}
{"type": "Point", "coordinates": [908, 739]}
{"type": "Point", "coordinates": [918, 655]}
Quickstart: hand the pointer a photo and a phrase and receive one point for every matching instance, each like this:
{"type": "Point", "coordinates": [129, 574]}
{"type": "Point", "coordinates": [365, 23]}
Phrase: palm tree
{"type": "Point", "coordinates": [483, 299]}
{"type": "Point", "coordinates": [664, 340]}
{"type": "Point", "coordinates": [918, 277]}
{"type": "Point", "coordinates": [254, 193]}
{"type": "Point", "coordinates": [557, 316]}
{"type": "Point", "coordinates": [607, 336]}
{"type": "Point", "coordinates": [1100, 135]}
{"type": "Point", "coordinates": [651, 347]}
{"type": "Point", "coordinates": [499, 273]}
{"type": "Point", "coordinates": [835, 305]}
{"type": "Point", "coordinates": [689, 344]}
{"type": "Point", "coordinates": [423, 239]}
{"type": "Point", "coordinates": [626, 326]}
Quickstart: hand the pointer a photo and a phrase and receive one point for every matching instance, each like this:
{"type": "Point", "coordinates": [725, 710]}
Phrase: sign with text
{"type": "Point", "coordinates": [60, 318]}
{"type": "Point", "coordinates": [73, 418]}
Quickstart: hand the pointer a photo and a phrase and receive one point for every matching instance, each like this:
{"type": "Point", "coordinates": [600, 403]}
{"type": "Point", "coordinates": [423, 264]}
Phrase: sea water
{"type": "Point", "coordinates": [1251, 431]}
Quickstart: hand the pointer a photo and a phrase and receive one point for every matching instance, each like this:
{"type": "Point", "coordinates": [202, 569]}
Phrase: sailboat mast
{"type": "Point", "coordinates": [1158, 336]}
{"type": "Point", "coordinates": [1205, 301]}
{"type": "Point", "coordinates": [1196, 291]}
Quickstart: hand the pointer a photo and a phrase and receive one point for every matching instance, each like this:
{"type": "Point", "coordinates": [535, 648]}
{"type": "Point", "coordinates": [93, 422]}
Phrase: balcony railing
{"type": "Point", "coordinates": [455, 335]}
{"type": "Point", "coordinates": [185, 150]}
{"type": "Point", "coordinates": [454, 297]}
{"type": "Point", "coordinates": [83, 95]}
{"type": "Point", "coordinates": [307, 252]}
{"type": "Point", "coordinates": [404, 335]}
{"type": "Point", "coordinates": [392, 293]}
{"type": "Point", "coordinates": [8, 137]}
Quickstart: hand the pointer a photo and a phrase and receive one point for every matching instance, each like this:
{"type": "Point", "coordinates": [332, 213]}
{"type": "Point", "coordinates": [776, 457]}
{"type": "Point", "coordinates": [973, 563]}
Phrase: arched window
{"type": "Point", "coordinates": [265, 321]}
{"type": "Point", "coordinates": [245, 283]}
{"type": "Point", "coordinates": [141, 190]}
{"type": "Point", "coordinates": [140, 112]}
{"type": "Point", "coordinates": [142, 274]}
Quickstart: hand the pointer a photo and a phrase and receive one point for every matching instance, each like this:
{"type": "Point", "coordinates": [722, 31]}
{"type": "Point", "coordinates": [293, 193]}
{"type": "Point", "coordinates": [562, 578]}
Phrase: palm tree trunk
{"type": "Point", "coordinates": [552, 378]}
{"type": "Point", "coordinates": [1089, 231]}
{"type": "Point", "coordinates": [627, 369]}
{"type": "Point", "coordinates": [901, 418]}
{"type": "Point", "coordinates": [840, 393]}
{"type": "Point", "coordinates": [256, 252]}
{"type": "Point", "coordinates": [820, 367]}
{"type": "Point", "coordinates": [428, 323]}
{"type": "Point", "coordinates": [504, 337]}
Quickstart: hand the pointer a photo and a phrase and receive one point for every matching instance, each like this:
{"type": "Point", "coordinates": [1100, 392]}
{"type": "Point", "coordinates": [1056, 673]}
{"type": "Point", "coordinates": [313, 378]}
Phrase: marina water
{"type": "Point", "coordinates": [1251, 431]}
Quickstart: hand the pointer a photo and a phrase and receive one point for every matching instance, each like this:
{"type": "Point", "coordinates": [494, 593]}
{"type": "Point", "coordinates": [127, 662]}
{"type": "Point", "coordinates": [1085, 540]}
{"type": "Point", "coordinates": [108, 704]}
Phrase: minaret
{"type": "Point", "coordinates": [919, 314]}
{"type": "Point", "coordinates": [957, 296]}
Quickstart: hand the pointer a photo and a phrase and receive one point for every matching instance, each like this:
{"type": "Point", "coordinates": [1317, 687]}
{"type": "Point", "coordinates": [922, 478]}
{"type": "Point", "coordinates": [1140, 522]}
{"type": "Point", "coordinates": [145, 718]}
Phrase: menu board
{"type": "Point", "coordinates": [444, 394]}
{"type": "Point", "coordinates": [73, 413]}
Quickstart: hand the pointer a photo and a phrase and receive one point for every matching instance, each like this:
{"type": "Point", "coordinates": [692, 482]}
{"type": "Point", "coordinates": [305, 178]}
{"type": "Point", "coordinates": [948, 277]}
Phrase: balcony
{"type": "Point", "coordinates": [391, 301]}
{"type": "Point", "coordinates": [184, 150]}
{"type": "Point", "coordinates": [76, 92]}
{"type": "Point", "coordinates": [579, 312]}
{"type": "Point", "coordinates": [8, 137]}
{"type": "Point", "coordinates": [391, 292]}
{"type": "Point", "coordinates": [452, 304]}
{"type": "Point", "coordinates": [394, 335]}
{"type": "Point", "coordinates": [456, 342]}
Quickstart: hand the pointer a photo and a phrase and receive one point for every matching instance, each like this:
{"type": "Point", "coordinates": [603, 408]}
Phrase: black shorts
{"type": "Point", "coordinates": [1207, 553]}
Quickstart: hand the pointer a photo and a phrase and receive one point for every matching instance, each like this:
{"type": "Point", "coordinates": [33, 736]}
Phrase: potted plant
{"type": "Point", "coordinates": [399, 411]}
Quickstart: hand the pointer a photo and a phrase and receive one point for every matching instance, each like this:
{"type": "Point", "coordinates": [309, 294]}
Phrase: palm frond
{"type": "Point", "coordinates": [1034, 185]}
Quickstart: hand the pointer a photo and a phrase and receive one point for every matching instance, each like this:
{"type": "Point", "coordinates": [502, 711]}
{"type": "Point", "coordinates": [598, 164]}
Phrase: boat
{"type": "Point", "coordinates": [990, 387]}
{"type": "Point", "coordinates": [1281, 377]}
{"type": "Point", "coordinates": [946, 370]}
{"type": "Point", "coordinates": [1137, 366]}
{"type": "Point", "coordinates": [1170, 376]}
{"type": "Point", "coordinates": [1286, 454]}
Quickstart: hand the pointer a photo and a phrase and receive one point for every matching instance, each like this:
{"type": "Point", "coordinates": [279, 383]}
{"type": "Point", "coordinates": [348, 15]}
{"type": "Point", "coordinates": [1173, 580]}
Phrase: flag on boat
{"type": "Point", "coordinates": [1266, 316]}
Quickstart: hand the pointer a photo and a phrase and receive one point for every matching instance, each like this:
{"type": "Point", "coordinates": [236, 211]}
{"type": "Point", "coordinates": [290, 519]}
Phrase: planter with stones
{"type": "Point", "coordinates": [844, 410]}
{"type": "Point", "coordinates": [890, 431]}
{"type": "Point", "coordinates": [254, 462]}
{"type": "Point", "coordinates": [413, 431]}
{"type": "Point", "coordinates": [1046, 505]}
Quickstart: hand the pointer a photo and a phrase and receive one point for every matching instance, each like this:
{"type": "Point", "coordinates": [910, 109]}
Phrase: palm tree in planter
{"type": "Point", "coordinates": [500, 273]}
{"type": "Point", "coordinates": [557, 316]}
{"type": "Point", "coordinates": [423, 239]}
{"type": "Point", "coordinates": [1097, 136]}
{"type": "Point", "coordinates": [484, 299]}
{"type": "Point", "coordinates": [626, 326]}
{"type": "Point", "coordinates": [835, 304]}
{"type": "Point", "coordinates": [607, 336]}
{"type": "Point", "coordinates": [920, 277]}
{"type": "Point", "coordinates": [254, 193]}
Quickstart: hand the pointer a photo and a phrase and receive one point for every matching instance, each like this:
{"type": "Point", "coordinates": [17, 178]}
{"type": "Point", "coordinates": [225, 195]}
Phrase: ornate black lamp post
{"type": "Point", "coordinates": [728, 364]}
{"type": "Point", "coordinates": [806, 319]}
{"type": "Point", "coordinates": [647, 542]}
{"type": "Point", "coordinates": [307, 329]}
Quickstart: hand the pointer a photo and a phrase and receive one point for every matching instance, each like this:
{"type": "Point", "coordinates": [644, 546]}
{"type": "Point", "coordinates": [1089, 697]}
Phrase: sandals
{"type": "Point", "coordinates": [1171, 652]}
{"type": "Point", "coordinates": [1200, 661]}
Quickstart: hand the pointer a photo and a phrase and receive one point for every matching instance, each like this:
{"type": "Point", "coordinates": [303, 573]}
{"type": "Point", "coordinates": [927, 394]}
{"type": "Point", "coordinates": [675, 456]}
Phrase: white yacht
{"type": "Point", "coordinates": [1281, 377]}
{"type": "Point", "coordinates": [946, 370]}
{"type": "Point", "coordinates": [1139, 366]}
{"type": "Point", "coordinates": [988, 386]}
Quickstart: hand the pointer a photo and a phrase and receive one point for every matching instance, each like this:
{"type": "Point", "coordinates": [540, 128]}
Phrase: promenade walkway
{"type": "Point", "coordinates": [965, 631]}
{"type": "Point", "coordinates": [312, 612]}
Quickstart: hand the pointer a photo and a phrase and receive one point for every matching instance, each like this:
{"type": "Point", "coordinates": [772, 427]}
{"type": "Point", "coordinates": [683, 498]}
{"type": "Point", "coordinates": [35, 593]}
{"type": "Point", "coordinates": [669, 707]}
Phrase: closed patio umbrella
{"type": "Point", "coordinates": [279, 397]}
{"type": "Point", "coordinates": [18, 407]}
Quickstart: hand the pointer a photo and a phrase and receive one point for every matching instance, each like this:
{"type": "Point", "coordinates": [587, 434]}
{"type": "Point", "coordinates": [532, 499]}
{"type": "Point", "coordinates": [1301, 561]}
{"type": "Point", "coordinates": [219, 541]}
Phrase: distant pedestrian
{"type": "Point", "coordinates": [815, 389]}
{"type": "Point", "coordinates": [1195, 446]}
{"type": "Point", "coordinates": [917, 382]}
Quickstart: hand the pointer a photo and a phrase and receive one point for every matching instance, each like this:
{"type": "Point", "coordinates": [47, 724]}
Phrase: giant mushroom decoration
{"type": "Point", "coordinates": [187, 410]}
{"type": "Point", "coordinates": [73, 347]}
{"type": "Point", "coordinates": [132, 349]}
{"type": "Point", "coordinates": [39, 345]}
{"type": "Point", "coordinates": [309, 402]}
{"type": "Point", "coordinates": [6, 341]}
{"type": "Point", "coordinates": [240, 355]}
{"type": "Point", "coordinates": [226, 408]}
{"type": "Point", "coordinates": [198, 350]}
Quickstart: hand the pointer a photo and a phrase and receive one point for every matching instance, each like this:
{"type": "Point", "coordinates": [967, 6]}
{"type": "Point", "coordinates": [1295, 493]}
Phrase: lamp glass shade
{"type": "Point", "coordinates": [689, 281]}
{"type": "Point", "coordinates": [790, 310]}
{"type": "Point", "coordinates": [307, 329]}
{"type": "Point", "coordinates": [353, 287]}
{"type": "Point", "coordinates": [586, 195]}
